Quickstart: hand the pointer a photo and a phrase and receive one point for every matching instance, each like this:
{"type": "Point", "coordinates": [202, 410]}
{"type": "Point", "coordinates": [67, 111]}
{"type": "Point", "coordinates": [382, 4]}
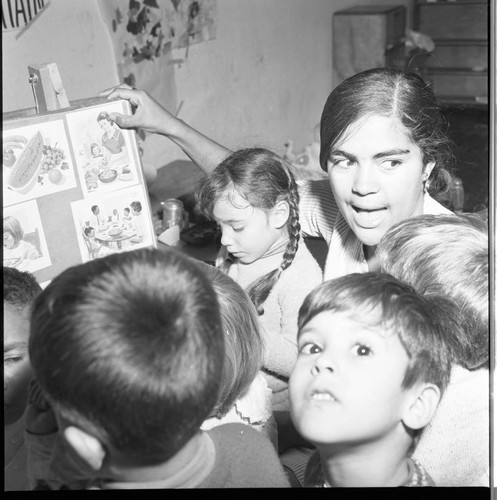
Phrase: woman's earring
{"type": "Point", "coordinates": [426, 184]}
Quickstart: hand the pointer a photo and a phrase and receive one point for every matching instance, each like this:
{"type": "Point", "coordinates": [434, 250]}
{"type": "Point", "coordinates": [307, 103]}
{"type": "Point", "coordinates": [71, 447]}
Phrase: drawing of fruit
{"type": "Point", "coordinates": [55, 176]}
{"type": "Point", "coordinates": [9, 157]}
{"type": "Point", "coordinates": [26, 167]}
{"type": "Point", "coordinates": [9, 144]}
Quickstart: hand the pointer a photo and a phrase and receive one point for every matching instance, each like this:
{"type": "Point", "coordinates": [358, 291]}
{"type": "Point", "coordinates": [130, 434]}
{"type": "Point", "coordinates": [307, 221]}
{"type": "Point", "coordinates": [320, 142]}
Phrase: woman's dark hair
{"type": "Point", "coordinates": [263, 179]}
{"type": "Point", "coordinates": [396, 93]}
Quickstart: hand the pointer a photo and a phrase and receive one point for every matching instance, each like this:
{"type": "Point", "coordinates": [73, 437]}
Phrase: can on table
{"type": "Point", "coordinates": [173, 214]}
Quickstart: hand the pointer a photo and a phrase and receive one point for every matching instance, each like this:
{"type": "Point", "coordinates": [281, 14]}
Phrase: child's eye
{"type": "Point", "coordinates": [13, 360]}
{"type": "Point", "coordinates": [310, 348]}
{"type": "Point", "coordinates": [363, 350]}
{"type": "Point", "coordinates": [238, 229]}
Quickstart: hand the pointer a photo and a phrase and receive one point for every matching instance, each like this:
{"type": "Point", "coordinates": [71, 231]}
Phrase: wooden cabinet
{"type": "Point", "coordinates": [458, 67]}
{"type": "Point", "coordinates": [367, 36]}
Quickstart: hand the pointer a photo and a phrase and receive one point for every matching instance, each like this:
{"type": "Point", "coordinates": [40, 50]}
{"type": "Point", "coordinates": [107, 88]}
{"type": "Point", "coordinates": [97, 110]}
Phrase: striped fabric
{"type": "Point", "coordinates": [320, 217]}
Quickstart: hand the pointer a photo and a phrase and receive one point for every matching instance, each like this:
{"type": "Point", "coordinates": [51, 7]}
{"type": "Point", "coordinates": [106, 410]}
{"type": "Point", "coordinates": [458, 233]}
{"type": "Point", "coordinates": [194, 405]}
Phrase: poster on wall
{"type": "Point", "coordinates": [143, 34]}
{"type": "Point", "coordinates": [73, 188]}
{"type": "Point", "coordinates": [19, 15]}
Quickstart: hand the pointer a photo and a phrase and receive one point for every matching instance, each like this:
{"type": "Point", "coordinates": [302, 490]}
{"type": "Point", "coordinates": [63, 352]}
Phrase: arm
{"type": "Point", "coordinates": [150, 116]}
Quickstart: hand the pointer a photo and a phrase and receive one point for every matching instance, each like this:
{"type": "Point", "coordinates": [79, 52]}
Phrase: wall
{"type": "Point", "coordinates": [69, 33]}
{"type": "Point", "coordinates": [263, 80]}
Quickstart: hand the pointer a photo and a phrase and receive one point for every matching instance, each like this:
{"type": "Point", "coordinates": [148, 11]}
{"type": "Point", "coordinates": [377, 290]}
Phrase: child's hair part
{"type": "Point", "coordinates": [128, 347]}
{"type": "Point", "coordinates": [392, 93]}
{"type": "Point", "coordinates": [263, 179]}
{"type": "Point", "coordinates": [244, 349]}
{"type": "Point", "coordinates": [380, 300]}
{"type": "Point", "coordinates": [19, 288]}
{"type": "Point", "coordinates": [12, 226]}
{"type": "Point", "coordinates": [446, 254]}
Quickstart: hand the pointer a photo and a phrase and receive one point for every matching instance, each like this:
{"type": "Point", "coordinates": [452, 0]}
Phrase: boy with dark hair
{"type": "Point", "coordinates": [19, 291]}
{"type": "Point", "coordinates": [139, 347]}
{"type": "Point", "coordinates": [374, 360]}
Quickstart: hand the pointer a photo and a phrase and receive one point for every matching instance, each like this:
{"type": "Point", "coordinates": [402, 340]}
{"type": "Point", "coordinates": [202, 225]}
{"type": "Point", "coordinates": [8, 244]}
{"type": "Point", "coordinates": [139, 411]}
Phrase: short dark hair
{"type": "Point", "coordinates": [19, 288]}
{"type": "Point", "coordinates": [130, 348]}
{"type": "Point", "coordinates": [379, 299]}
{"type": "Point", "coordinates": [136, 205]}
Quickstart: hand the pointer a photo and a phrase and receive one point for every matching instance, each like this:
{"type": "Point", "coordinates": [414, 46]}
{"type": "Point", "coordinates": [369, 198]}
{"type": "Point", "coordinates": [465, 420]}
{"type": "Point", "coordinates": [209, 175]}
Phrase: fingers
{"type": "Point", "coordinates": [109, 91]}
{"type": "Point", "coordinates": [123, 121]}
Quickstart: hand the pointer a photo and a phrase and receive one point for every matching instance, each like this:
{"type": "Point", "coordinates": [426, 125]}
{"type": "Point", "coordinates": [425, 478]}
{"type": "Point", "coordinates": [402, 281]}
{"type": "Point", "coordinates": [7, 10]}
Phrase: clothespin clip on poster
{"type": "Point", "coordinates": [48, 91]}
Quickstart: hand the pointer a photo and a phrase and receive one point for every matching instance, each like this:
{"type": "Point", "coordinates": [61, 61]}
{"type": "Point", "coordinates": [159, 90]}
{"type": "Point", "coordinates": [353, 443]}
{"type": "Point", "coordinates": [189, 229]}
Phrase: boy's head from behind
{"type": "Point", "coordinates": [19, 291]}
{"type": "Point", "coordinates": [372, 361]}
{"type": "Point", "coordinates": [129, 349]}
{"type": "Point", "coordinates": [446, 255]}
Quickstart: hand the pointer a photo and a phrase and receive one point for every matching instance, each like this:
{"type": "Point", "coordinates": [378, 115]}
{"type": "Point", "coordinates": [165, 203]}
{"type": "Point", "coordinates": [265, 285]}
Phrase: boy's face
{"type": "Point", "coordinates": [345, 387]}
{"type": "Point", "coordinates": [16, 365]}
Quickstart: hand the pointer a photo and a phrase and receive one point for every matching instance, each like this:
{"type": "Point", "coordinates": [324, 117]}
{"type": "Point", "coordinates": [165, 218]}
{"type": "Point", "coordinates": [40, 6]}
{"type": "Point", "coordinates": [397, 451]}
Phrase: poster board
{"type": "Point", "coordinates": [57, 167]}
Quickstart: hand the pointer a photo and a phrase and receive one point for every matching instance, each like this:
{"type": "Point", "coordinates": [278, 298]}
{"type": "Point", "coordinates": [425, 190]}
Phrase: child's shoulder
{"type": "Point", "coordinates": [304, 266]}
{"type": "Point", "coordinates": [244, 458]}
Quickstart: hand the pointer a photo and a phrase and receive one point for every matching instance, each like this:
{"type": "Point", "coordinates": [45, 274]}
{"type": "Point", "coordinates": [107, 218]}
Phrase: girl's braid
{"type": "Point", "coordinates": [293, 224]}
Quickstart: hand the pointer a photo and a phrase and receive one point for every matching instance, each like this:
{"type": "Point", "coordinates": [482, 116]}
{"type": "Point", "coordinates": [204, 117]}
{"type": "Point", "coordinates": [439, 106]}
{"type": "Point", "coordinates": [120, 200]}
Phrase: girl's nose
{"type": "Point", "coordinates": [226, 238]}
{"type": "Point", "coordinates": [365, 180]}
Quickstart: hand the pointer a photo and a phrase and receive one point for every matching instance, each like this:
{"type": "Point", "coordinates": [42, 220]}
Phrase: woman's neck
{"type": "Point", "coordinates": [371, 259]}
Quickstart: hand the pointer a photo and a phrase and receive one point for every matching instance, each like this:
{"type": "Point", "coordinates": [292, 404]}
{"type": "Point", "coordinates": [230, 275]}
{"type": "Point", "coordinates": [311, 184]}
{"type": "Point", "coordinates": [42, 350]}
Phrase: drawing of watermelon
{"type": "Point", "coordinates": [24, 171]}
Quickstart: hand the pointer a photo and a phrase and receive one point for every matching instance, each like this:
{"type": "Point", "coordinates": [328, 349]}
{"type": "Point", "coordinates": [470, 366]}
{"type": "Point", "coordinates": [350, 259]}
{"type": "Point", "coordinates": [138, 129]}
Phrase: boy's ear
{"type": "Point", "coordinates": [422, 406]}
{"type": "Point", "coordinates": [280, 214]}
{"type": "Point", "coordinates": [86, 446]}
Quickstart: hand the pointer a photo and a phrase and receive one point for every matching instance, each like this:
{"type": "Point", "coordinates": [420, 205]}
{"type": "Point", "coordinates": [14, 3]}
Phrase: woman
{"type": "Point", "coordinates": [383, 144]}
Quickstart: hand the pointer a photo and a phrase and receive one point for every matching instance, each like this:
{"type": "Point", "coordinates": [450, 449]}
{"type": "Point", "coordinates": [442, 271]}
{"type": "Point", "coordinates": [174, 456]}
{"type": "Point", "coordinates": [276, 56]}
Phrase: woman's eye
{"type": "Point", "coordinates": [363, 350]}
{"type": "Point", "coordinates": [310, 348]}
{"type": "Point", "coordinates": [341, 162]}
{"type": "Point", "coordinates": [391, 164]}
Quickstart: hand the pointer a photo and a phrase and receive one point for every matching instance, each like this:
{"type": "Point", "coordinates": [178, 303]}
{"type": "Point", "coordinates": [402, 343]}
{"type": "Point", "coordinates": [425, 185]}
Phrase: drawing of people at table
{"type": "Point", "coordinates": [95, 247]}
{"type": "Point", "coordinates": [139, 221]}
{"type": "Point", "coordinates": [97, 219]}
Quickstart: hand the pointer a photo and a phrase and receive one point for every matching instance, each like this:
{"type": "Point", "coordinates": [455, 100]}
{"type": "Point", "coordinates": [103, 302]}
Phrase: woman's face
{"type": "Point", "coordinates": [375, 173]}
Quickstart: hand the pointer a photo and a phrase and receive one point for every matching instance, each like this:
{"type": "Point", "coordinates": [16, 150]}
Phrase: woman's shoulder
{"type": "Point", "coordinates": [305, 262]}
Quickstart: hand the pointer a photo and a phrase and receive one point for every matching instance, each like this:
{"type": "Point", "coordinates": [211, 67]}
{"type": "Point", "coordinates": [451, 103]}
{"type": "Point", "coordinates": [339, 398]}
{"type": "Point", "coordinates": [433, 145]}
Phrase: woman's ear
{"type": "Point", "coordinates": [422, 406]}
{"type": "Point", "coordinates": [279, 214]}
{"type": "Point", "coordinates": [428, 169]}
{"type": "Point", "coordinates": [86, 446]}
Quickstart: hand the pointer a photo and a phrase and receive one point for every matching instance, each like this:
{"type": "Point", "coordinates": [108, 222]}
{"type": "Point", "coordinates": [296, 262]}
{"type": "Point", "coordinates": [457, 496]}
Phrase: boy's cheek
{"type": "Point", "coordinates": [15, 386]}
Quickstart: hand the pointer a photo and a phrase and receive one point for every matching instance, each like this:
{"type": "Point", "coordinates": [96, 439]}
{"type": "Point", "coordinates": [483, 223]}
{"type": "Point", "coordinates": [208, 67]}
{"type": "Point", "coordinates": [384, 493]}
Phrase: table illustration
{"type": "Point", "coordinates": [115, 234]}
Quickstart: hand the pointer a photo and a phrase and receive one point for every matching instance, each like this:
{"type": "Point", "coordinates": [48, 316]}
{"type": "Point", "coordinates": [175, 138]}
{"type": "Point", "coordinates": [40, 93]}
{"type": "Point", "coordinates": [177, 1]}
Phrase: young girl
{"type": "Point", "coordinates": [253, 197]}
{"type": "Point", "coordinates": [244, 395]}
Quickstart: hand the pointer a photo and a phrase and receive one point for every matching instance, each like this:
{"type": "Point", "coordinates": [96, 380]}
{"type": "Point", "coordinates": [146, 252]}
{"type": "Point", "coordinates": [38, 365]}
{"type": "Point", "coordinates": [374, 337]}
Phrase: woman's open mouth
{"type": "Point", "coordinates": [369, 218]}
